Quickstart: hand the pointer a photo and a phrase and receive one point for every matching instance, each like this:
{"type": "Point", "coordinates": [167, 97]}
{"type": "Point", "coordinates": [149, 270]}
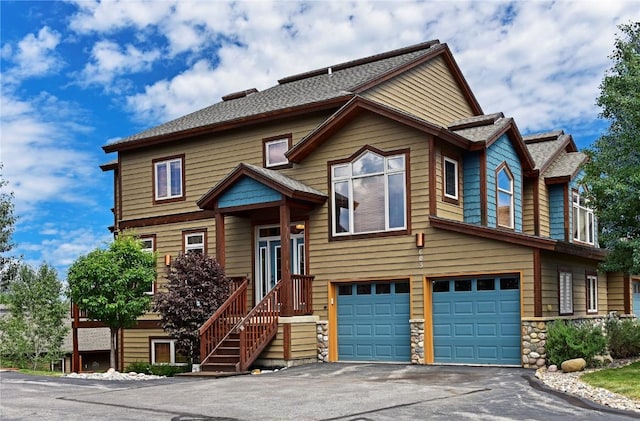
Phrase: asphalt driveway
{"type": "Point", "coordinates": [325, 392]}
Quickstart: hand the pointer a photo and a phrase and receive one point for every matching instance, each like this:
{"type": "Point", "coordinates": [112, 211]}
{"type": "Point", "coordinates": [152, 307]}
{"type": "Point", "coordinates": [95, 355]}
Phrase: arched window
{"type": "Point", "coordinates": [504, 193]}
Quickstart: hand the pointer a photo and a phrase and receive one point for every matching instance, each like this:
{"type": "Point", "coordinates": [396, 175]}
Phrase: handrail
{"type": "Point", "coordinates": [302, 294]}
{"type": "Point", "coordinates": [259, 327]}
{"type": "Point", "coordinates": [220, 325]}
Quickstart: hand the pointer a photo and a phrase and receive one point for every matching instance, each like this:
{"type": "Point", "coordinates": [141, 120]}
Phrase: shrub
{"type": "Point", "coordinates": [567, 340]}
{"type": "Point", "coordinates": [157, 370]}
{"type": "Point", "coordinates": [624, 337]}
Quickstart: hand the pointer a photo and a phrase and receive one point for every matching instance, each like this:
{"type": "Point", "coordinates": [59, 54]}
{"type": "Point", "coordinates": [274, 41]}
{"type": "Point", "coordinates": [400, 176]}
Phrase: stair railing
{"type": "Point", "coordinates": [215, 330]}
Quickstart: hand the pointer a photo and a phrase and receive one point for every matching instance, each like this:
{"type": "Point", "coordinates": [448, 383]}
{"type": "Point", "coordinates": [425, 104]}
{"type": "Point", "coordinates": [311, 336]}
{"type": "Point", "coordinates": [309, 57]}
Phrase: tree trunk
{"type": "Point", "coordinates": [114, 338]}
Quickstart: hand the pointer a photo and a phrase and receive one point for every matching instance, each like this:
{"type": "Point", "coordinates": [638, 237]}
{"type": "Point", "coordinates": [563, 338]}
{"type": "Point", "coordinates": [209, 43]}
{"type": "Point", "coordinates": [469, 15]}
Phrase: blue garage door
{"type": "Point", "coordinates": [477, 321]}
{"type": "Point", "coordinates": [373, 322]}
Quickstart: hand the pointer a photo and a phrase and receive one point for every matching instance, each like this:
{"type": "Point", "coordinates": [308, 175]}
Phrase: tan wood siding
{"type": "Point", "coordinates": [304, 343]}
{"type": "Point", "coordinates": [446, 209]}
{"type": "Point", "coordinates": [528, 223]}
{"type": "Point", "coordinates": [428, 91]}
{"type": "Point", "coordinates": [551, 263]}
{"type": "Point", "coordinates": [545, 224]}
{"type": "Point", "coordinates": [137, 345]}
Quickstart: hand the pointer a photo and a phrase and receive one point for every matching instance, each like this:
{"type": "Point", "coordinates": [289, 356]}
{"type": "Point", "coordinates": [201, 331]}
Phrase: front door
{"type": "Point", "coordinates": [268, 256]}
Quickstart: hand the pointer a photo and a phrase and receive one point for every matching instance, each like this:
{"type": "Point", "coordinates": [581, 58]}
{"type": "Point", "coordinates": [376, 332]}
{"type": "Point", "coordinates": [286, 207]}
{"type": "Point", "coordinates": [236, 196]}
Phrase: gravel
{"type": "Point", "coordinates": [570, 383]}
{"type": "Point", "coordinates": [113, 375]}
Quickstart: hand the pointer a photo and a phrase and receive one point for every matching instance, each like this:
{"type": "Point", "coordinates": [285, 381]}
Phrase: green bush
{"type": "Point", "coordinates": [157, 370]}
{"type": "Point", "coordinates": [624, 337]}
{"type": "Point", "coordinates": [567, 340]}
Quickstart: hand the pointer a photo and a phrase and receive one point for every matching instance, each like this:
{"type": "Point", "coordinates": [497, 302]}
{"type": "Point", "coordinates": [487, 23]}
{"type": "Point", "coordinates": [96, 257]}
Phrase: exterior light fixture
{"type": "Point", "coordinates": [420, 240]}
{"type": "Point", "coordinates": [167, 260]}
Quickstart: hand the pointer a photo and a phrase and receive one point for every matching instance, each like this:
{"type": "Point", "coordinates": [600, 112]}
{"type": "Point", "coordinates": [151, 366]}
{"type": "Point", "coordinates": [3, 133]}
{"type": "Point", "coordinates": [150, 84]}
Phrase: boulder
{"type": "Point", "coordinates": [553, 368]}
{"type": "Point", "coordinates": [576, 364]}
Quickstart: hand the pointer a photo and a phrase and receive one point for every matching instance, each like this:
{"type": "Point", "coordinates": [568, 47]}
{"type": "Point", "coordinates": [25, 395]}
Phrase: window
{"type": "Point", "coordinates": [565, 292]}
{"type": "Point", "coordinates": [163, 351]}
{"type": "Point", "coordinates": [274, 151]}
{"type": "Point", "coordinates": [369, 194]}
{"type": "Point", "coordinates": [592, 293]}
{"type": "Point", "coordinates": [504, 183]}
{"type": "Point", "coordinates": [149, 246]}
{"type": "Point", "coordinates": [583, 226]}
{"type": "Point", "coordinates": [194, 242]}
{"type": "Point", "coordinates": [450, 178]}
{"type": "Point", "coordinates": [168, 178]}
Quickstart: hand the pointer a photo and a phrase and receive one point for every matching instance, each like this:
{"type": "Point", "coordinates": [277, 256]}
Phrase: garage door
{"type": "Point", "coordinates": [477, 321]}
{"type": "Point", "coordinates": [373, 322]}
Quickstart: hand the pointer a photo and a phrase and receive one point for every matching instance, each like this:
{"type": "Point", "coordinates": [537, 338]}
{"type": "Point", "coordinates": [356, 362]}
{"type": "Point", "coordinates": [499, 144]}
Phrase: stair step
{"type": "Point", "coordinates": [223, 359]}
{"type": "Point", "coordinates": [225, 368]}
{"type": "Point", "coordinates": [228, 351]}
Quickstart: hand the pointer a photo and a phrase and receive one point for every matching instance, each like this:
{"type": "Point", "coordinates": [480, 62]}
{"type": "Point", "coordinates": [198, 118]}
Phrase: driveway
{"type": "Point", "coordinates": [336, 391]}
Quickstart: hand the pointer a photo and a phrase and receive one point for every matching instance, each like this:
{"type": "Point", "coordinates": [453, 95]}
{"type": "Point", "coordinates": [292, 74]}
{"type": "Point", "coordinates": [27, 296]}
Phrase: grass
{"type": "Point", "coordinates": [41, 372]}
{"type": "Point", "coordinates": [623, 380]}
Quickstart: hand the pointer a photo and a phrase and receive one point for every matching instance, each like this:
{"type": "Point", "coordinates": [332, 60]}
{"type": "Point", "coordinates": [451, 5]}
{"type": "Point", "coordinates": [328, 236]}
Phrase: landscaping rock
{"type": "Point", "coordinates": [552, 368]}
{"type": "Point", "coordinates": [576, 364]}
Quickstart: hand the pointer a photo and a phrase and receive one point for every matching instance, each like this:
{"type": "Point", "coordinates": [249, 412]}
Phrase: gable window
{"type": "Point", "coordinates": [168, 178]}
{"type": "Point", "coordinates": [504, 193]}
{"type": "Point", "coordinates": [149, 246]}
{"type": "Point", "coordinates": [274, 151]}
{"type": "Point", "coordinates": [450, 179]}
{"type": "Point", "coordinates": [565, 292]}
{"type": "Point", "coordinates": [592, 293]}
{"type": "Point", "coordinates": [583, 224]}
{"type": "Point", "coordinates": [369, 194]}
{"type": "Point", "coordinates": [194, 242]}
{"type": "Point", "coordinates": [163, 351]}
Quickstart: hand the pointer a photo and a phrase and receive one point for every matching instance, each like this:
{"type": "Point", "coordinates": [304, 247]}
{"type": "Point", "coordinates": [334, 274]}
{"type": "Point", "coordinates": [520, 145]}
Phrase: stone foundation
{"type": "Point", "coordinates": [417, 341]}
{"type": "Point", "coordinates": [322, 335]}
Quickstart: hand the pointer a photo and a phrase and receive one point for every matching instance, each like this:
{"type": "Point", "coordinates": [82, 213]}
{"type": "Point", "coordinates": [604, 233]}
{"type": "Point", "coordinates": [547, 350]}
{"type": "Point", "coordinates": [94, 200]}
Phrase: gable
{"type": "Point", "coordinates": [430, 91]}
{"type": "Point", "coordinates": [247, 191]}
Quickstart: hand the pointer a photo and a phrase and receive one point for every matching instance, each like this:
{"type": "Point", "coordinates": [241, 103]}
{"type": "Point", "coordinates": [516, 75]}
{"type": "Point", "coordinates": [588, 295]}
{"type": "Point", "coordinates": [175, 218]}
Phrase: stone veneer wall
{"type": "Point", "coordinates": [322, 329]}
{"type": "Point", "coordinates": [534, 339]}
{"type": "Point", "coordinates": [417, 341]}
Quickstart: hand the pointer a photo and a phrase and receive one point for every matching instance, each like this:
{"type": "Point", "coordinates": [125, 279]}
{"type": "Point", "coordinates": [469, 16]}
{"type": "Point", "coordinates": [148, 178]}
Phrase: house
{"type": "Point", "coordinates": [372, 212]}
{"type": "Point", "coordinates": [93, 346]}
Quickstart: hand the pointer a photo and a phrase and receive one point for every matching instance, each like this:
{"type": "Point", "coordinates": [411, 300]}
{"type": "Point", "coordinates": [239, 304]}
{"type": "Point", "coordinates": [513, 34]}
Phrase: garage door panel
{"type": "Point", "coordinates": [383, 309]}
{"type": "Point", "coordinates": [363, 310]}
{"type": "Point", "coordinates": [476, 322]}
{"type": "Point", "coordinates": [364, 330]}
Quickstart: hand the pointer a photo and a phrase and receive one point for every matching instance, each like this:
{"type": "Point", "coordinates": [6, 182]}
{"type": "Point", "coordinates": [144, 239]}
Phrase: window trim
{"type": "Point", "coordinates": [562, 307]}
{"type": "Point", "coordinates": [405, 152]}
{"type": "Point", "coordinates": [273, 140]}
{"type": "Point", "coordinates": [591, 292]}
{"type": "Point", "coordinates": [512, 212]}
{"type": "Point", "coordinates": [575, 193]}
{"type": "Point", "coordinates": [454, 199]}
{"type": "Point", "coordinates": [187, 233]}
{"type": "Point", "coordinates": [172, 350]}
{"type": "Point", "coordinates": [151, 237]}
{"type": "Point", "coordinates": [154, 177]}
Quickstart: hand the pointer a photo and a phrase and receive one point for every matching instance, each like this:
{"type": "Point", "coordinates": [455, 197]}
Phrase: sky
{"type": "Point", "coordinates": [76, 75]}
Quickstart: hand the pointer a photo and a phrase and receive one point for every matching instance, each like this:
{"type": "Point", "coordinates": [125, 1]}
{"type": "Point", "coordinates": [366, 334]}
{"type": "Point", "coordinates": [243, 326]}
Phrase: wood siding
{"type": "Point", "coordinates": [444, 208]}
{"type": "Point", "coordinates": [617, 291]}
{"type": "Point", "coordinates": [137, 344]}
{"type": "Point", "coordinates": [428, 91]}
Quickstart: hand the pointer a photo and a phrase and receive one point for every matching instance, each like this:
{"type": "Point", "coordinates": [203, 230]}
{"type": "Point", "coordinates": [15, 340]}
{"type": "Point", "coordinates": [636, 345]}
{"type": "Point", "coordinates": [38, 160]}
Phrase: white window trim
{"type": "Point", "coordinates": [349, 178]}
{"type": "Point", "coordinates": [589, 213]}
{"type": "Point", "coordinates": [266, 152]}
{"type": "Point", "coordinates": [168, 186]}
{"type": "Point", "coordinates": [149, 250]}
{"type": "Point", "coordinates": [565, 292]}
{"type": "Point", "coordinates": [592, 294]}
{"type": "Point", "coordinates": [172, 351]}
{"type": "Point", "coordinates": [190, 247]}
{"type": "Point", "coordinates": [455, 172]}
{"type": "Point", "coordinates": [510, 192]}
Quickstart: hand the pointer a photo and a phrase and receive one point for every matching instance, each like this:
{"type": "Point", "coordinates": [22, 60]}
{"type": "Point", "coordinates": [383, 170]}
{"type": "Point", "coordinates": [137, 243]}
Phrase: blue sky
{"type": "Point", "coordinates": [79, 74]}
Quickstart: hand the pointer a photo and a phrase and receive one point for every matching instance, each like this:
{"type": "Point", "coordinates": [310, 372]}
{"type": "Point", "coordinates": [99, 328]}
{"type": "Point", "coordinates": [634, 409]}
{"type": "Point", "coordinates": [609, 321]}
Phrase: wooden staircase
{"type": "Point", "coordinates": [232, 339]}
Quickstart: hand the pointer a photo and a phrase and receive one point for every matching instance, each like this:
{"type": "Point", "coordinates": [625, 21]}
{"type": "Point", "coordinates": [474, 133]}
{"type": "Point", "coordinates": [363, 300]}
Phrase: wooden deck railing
{"type": "Point", "coordinates": [259, 327]}
{"type": "Point", "coordinates": [302, 303]}
{"type": "Point", "coordinates": [220, 325]}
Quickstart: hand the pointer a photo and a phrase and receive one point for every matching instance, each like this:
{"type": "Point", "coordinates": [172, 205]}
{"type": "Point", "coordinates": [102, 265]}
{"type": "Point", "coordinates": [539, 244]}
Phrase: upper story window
{"type": "Point", "coordinates": [583, 225]}
{"type": "Point", "coordinates": [194, 242]}
{"type": "Point", "coordinates": [565, 292]}
{"type": "Point", "coordinates": [369, 194]}
{"type": "Point", "coordinates": [450, 178]}
{"type": "Point", "coordinates": [169, 178]}
{"type": "Point", "coordinates": [504, 187]}
{"type": "Point", "coordinates": [149, 246]}
{"type": "Point", "coordinates": [274, 151]}
{"type": "Point", "coordinates": [592, 293]}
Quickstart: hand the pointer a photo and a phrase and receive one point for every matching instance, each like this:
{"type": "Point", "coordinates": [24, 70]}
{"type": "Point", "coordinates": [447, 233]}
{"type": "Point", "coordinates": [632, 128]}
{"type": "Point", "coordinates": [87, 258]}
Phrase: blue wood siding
{"type": "Point", "coordinates": [471, 188]}
{"type": "Point", "coordinates": [247, 191]}
{"type": "Point", "coordinates": [556, 211]}
{"type": "Point", "coordinates": [500, 151]}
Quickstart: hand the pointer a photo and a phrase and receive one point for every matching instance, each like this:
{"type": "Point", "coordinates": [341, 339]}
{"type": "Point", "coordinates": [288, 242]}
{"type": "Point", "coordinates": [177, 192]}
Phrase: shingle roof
{"type": "Point", "coordinates": [566, 165]}
{"type": "Point", "coordinates": [89, 339]}
{"type": "Point", "coordinates": [284, 180]}
{"type": "Point", "coordinates": [480, 128]}
{"type": "Point", "coordinates": [320, 85]}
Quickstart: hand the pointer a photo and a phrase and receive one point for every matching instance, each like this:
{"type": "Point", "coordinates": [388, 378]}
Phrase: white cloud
{"type": "Point", "coordinates": [109, 16]}
{"type": "Point", "coordinates": [34, 55]}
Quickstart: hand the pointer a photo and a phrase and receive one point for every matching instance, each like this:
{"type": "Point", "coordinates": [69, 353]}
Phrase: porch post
{"type": "Point", "coordinates": [286, 308]}
{"type": "Point", "coordinates": [75, 356]}
{"type": "Point", "coordinates": [220, 242]}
